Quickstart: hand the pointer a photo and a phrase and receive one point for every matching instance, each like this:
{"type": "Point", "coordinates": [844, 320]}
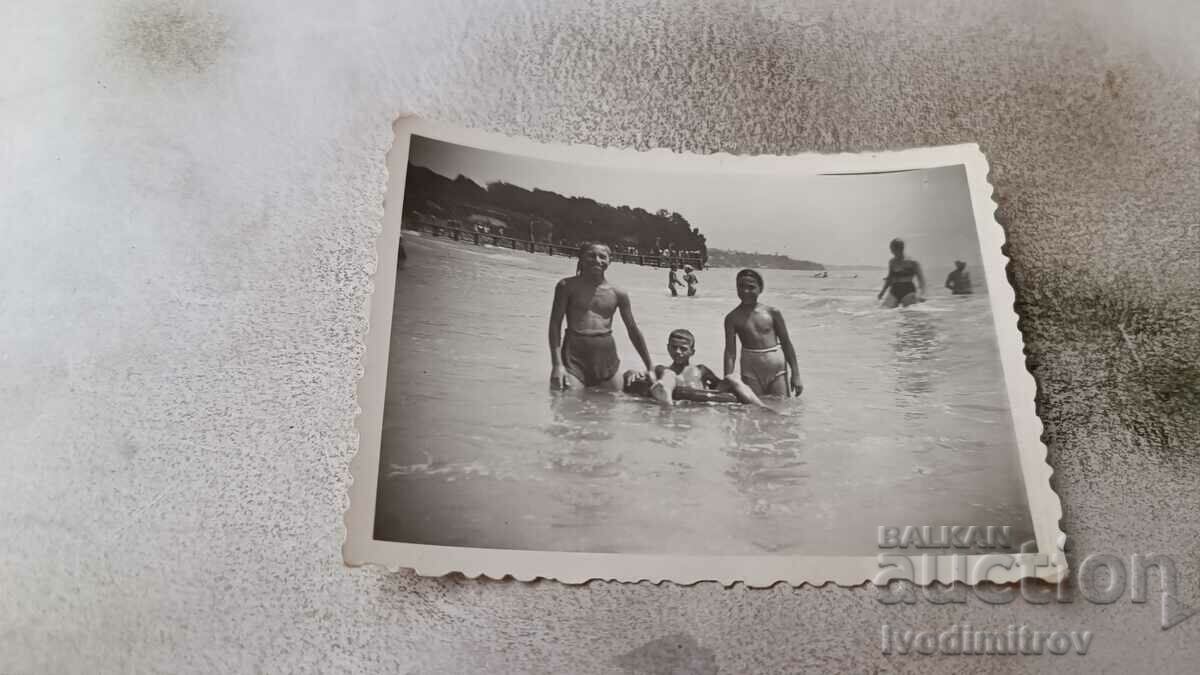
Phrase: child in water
{"type": "Point", "coordinates": [767, 351]}
{"type": "Point", "coordinates": [682, 378]}
{"type": "Point", "coordinates": [691, 279]}
{"type": "Point", "coordinates": [673, 280]}
{"type": "Point", "coordinates": [586, 355]}
{"type": "Point", "coordinates": [959, 280]}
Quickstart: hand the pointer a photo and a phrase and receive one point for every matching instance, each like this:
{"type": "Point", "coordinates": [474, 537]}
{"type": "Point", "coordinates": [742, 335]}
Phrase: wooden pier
{"type": "Point", "coordinates": [499, 240]}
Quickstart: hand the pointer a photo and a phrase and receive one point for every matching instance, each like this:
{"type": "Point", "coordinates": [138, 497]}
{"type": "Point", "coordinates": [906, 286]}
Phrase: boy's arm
{"type": "Point", "coordinates": [789, 351]}
{"type": "Point", "coordinates": [635, 333]}
{"type": "Point", "coordinates": [558, 309]}
{"type": "Point", "coordinates": [730, 356]}
{"type": "Point", "coordinates": [920, 278]}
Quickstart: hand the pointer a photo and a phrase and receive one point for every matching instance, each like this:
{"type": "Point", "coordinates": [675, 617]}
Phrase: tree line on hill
{"type": "Point", "coordinates": [722, 258]}
{"type": "Point", "coordinates": [546, 216]}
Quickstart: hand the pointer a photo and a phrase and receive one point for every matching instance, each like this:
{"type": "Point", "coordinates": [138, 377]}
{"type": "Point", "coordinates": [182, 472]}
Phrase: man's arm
{"type": "Point", "coordinates": [708, 378]}
{"type": "Point", "coordinates": [950, 281]}
{"type": "Point", "coordinates": [635, 333]}
{"type": "Point", "coordinates": [789, 351]}
{"type": "Point", "coordinates": [730, 356]}
{"type": "Point", "coordinates": [887, 281]}
{"type": "Point", "coordinates": [558, 309]}
{"type": "Point", "coordinates": [920, 277]}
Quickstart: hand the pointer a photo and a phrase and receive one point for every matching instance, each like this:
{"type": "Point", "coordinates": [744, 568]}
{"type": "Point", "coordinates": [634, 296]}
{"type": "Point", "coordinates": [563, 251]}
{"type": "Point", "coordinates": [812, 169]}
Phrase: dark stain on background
{"type": "Point", "coordinates": [172, 38]}
{"type": "Point", "coordinates": [677, 654]}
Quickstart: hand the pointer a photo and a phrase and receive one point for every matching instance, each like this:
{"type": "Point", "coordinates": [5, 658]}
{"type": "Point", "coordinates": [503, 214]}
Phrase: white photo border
{"type": "Point", "coordinates": [360, 546]}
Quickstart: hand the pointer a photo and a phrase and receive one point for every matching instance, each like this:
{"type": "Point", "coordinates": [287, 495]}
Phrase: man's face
{"type": "Point", "coordinates": [747, 288]}
{"type": "Point", "coordinates": [596, 259]}
{"type": "Point", "coordinates": [680, 349]}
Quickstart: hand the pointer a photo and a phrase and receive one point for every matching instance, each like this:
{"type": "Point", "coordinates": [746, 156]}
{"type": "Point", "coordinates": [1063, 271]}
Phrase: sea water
{"type": "Point", "coordinates": [904, 418]}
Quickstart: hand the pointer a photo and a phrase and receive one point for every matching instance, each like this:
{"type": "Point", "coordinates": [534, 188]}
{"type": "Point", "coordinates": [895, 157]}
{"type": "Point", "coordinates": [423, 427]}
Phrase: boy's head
{"type": "Point", "coordinates": [593, 257]}
{"type": "Point", "coordinates": [749, 285]}
{"type": "Point", "coordinates": [681, 345]}
{"type": "Point", "coordinates": [897, 246]}
{"type": "Point", "coordinates": [960, 265]}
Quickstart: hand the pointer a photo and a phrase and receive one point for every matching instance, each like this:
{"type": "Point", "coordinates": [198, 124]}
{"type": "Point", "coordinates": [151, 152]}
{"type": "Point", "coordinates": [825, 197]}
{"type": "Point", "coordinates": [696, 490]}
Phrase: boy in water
{"type": "Point", "coordinates": [690, 277]}
{"type": "Point", "coordinates": [959, 280]}
{"type": "Point", "coordinates": [899, 280]}
{"type": "Point", "coordinates": [682, 377]}
{"type": "Point", "coordinates": [767, 351]}
{"type": "Point", "coordinates": [673, 280]}
{"type": "Point", "coordinates": [587, 355]}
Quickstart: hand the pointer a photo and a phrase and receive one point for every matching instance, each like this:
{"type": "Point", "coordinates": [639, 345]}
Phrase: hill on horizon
{"type": "Point", "coordinates": [718, 257]}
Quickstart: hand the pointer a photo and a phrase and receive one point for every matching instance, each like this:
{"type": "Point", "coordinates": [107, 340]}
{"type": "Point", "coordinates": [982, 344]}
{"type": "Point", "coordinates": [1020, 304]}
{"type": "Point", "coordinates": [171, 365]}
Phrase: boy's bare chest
{"type": "Point", "coordinates": [692, 376]}
{"type": "Point", "coordinates": [598, 300]}
{"type": "Point", "coordinates": [758, 321]}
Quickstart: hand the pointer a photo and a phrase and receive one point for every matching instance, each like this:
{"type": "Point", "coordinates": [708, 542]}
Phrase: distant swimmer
{"type": "Point", "coordinates": [673, 280]}
{"type": "Point", "coordinates": [586, 356]}
{"type": "Point", "coordinates": [959, 280]}
{"type": "Point", "coordinates": [691, 279]}
{"type": "Point", "coordinates": [683, 381]}
{"type": "Point", "coordinates": [899, 280]}
{"type": "Point", "coordinates": [767, 352]}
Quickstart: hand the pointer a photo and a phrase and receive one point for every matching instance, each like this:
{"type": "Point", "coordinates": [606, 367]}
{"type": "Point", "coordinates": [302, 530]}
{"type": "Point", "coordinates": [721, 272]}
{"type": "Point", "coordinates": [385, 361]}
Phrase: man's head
{"type": "Point", "coordinates": [593, 258]}
{"type": "Point", "coordinates": [897, 246]}
{"type": "Point", "coordinates": [749, 285]}
{"type": "Point", "coordinates": [674, 267]}
{"type": "Point", "coordinates": [960, 265]}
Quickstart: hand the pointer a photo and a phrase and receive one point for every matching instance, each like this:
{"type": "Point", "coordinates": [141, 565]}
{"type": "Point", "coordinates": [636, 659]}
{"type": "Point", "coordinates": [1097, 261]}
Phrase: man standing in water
{"type": "Point", "coordinates": [959, 281]}
{"type": "Point", "coordinates": [673, 280]}
{"type": "Point", "coordinates": [586, 356]}
{"type": "Point", "coordinates": [690, 277]}
{"type": "Point", "coordinates": [899, 280]}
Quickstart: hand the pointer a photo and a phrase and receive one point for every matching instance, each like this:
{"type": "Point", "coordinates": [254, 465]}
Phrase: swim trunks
{"type": "Point", "coordinates": [902, 288]}
{"type": "Point", "coordinates": [762, 368]}
{"type": "Point", "coordinates": [592, 359]}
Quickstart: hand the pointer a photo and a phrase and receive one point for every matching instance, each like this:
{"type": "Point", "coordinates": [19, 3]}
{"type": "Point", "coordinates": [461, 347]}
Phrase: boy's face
{"type": "Point", "coordinates": [747, 289]}
{"type": "Point", "coordinates": [680, 349]}
{"type": "Point", "coordinates": [595, 259]}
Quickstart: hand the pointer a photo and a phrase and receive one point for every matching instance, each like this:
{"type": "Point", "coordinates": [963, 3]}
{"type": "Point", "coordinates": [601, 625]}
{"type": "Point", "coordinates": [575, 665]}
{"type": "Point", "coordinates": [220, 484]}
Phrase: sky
{"type": "Point", "coordinates": [834, 220]}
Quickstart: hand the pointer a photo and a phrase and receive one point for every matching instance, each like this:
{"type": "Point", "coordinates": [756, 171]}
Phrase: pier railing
{"type": "Point", "coordinates": [500, 240]}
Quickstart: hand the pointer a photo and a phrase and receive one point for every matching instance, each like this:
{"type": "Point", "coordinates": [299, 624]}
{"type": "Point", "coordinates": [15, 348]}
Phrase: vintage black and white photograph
{"type": "Point", "coordinates": [682, 358]}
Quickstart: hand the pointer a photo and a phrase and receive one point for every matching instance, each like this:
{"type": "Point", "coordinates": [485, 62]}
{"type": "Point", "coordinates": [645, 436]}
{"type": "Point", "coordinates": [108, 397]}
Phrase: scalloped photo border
{"type": "Point", "coordinates": [1047, 563]}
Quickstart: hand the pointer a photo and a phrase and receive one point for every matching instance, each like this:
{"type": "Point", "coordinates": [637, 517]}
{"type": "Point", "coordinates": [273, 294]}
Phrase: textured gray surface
{"type": "Point", "coordinates": [190, 194]}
